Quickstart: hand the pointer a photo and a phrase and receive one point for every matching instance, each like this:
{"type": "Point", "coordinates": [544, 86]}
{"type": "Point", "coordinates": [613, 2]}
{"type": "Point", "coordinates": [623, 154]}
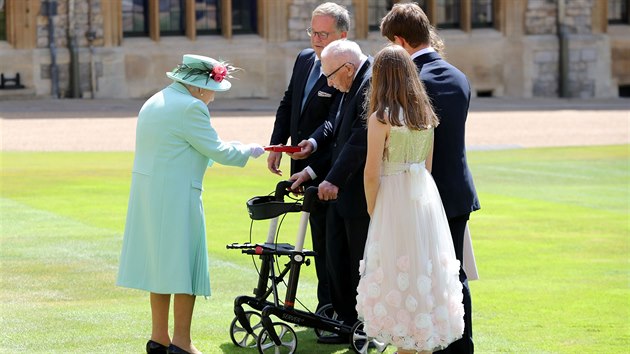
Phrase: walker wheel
{"type": "Point", "coordinates": [326, 311]}
{"type": "Point", "coordinates": [288, 340]}
{"type": "Point", "coordinates": [360, 342]}
{"type": "Point", "coordinates": [240, 336]}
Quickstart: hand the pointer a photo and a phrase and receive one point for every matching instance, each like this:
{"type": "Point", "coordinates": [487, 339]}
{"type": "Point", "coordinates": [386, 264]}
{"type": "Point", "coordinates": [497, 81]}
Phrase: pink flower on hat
{"type": "Point", "coordinates": [219, 72]}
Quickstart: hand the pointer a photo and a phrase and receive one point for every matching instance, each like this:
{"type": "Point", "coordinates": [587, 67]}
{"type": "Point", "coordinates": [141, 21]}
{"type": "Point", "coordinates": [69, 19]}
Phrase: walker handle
{"type": "Point", "coordinates": [310, 198]}
{"type": "Point", "coordinates": [282, 190]}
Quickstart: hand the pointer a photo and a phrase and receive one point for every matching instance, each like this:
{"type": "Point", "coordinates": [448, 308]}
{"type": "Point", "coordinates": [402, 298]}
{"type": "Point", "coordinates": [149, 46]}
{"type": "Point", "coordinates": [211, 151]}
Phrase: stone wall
{"type": "Point", "coordinates": [87, 20]}
{"type": "Point", "coordinates": [546, 66]}
{"type": "Point", "coordinates": [540, 17]}
{"type": "Point", "coordinates": [578, 16]}
{"type": "Point", "coordinates": [84, 22]}
{"type": "Point", "coordinates": [520, 60]}
{"type": "Point", "coordinates": [587, 54]}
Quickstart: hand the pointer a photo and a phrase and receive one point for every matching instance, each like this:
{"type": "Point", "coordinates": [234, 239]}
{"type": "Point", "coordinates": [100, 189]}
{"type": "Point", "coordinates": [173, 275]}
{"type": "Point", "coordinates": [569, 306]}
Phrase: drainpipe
{"type": "Point", "coordinates": [74, 53]}
{"type": "Point", "coordinates": [50, 10]}
{"type": "Point", "coordinates": [91, 36]}
{"type": "Point", "coordinates": [563, 46]}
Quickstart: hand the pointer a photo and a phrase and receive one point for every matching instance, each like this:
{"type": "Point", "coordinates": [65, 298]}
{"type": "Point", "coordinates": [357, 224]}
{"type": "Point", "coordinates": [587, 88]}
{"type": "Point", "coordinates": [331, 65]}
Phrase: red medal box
{"type": "Point", "coordinates": [283, 148]}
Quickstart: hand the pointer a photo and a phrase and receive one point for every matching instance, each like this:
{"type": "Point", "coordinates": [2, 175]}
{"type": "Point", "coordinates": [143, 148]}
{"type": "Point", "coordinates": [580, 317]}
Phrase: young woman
{"type": "Point", "coordinates": [409, 294]}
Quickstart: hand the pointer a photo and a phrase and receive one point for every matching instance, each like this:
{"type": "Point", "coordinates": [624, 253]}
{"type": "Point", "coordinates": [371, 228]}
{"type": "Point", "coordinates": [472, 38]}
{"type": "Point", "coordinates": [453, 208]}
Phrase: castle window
{"type": "Point", "coordinates": [618, 11]}
{"type": "Point", "coordinates": [135, 18]}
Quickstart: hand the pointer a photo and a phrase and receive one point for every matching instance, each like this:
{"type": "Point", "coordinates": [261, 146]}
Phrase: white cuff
{"type": "Point", "coordinates": [310, 172]}
{"type": "Point", "coordinates": [314, 144]}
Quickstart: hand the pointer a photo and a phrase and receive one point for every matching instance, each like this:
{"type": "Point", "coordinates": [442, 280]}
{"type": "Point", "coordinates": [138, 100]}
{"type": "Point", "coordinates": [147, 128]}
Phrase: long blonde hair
{"type": "Point", "coordinates": [396, 87]}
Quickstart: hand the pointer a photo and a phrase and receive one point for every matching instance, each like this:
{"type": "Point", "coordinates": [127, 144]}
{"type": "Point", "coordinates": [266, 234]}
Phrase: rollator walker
{"type": "Point", "coordinates": [256, 328]}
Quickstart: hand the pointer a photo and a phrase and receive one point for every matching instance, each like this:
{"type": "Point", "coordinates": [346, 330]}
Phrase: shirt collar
{"type": "Point", "coordinates": [363, 60]}
{"type": "Point", "coordinates": [421, 52]}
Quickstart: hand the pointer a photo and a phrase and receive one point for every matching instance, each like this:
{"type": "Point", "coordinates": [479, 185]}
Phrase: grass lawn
{"type": "Point", "coordinates": [552, 243]}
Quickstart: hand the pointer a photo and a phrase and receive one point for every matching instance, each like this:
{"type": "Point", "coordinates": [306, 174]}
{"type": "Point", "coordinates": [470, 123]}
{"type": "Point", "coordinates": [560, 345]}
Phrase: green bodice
{"type": "Point", "coordinates": [405, 147]}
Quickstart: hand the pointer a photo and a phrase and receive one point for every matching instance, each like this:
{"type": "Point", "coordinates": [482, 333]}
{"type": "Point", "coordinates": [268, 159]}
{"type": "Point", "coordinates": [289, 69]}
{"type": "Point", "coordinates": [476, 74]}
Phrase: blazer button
{"type": "Point", "coordinates": [335, 145]}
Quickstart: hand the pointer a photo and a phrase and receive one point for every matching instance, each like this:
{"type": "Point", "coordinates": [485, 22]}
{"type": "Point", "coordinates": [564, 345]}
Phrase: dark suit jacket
{"type": "Point", "coordinates": [345, 138]}
{"type": "Point", "coordinates": [291, 121]}
{"type": "Point", "coordinates": [449, 91]}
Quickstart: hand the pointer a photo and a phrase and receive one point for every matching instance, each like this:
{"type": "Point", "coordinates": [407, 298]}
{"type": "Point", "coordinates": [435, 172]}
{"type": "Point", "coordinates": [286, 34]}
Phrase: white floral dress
{"type": "Point", "coordinates": [409, 294]}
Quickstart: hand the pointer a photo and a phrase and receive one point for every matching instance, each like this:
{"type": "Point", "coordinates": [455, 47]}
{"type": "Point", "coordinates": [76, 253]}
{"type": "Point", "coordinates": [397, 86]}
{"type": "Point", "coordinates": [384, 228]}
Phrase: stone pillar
{"type": "Point", "coordinates": [515, 71]}
{"type": "Point", "coordinates": [276, 21]}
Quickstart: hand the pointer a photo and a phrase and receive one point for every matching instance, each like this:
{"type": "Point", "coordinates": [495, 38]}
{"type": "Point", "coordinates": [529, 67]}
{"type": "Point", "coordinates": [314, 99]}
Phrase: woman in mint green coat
{"type": "Point", "coordinates": [164, 248]}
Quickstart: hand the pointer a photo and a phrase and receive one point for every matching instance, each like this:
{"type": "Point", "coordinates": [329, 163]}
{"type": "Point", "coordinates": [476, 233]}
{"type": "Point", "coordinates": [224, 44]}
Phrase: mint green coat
{"type": "Point", "coordinates": [164, 246]}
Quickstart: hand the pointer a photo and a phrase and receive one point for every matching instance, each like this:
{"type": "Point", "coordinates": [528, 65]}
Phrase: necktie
{"type": "Point", "coordinates": [310, 82]}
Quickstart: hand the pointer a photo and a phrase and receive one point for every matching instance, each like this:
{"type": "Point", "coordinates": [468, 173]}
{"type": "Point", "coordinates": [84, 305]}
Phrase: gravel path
{"type": "Point", "coordinates": [83, 125]}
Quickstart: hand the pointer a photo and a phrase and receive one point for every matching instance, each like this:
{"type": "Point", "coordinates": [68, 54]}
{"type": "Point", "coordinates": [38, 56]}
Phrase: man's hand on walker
{"type": "Point", "coordinates": [327, 191]}
{"type": "Point", "coordinates": [298, 179]}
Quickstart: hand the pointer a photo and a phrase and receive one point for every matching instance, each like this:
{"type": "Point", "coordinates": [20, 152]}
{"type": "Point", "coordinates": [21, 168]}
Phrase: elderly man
{"type": "Point", "coordinates": [306, 104]}
{"type": "Point", "coordinates": [343, 139]}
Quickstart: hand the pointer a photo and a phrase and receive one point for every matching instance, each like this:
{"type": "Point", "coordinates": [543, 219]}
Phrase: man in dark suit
{"type": "Point", "coordinates": [408, 26]}
{"type": "Point", "coordinates": [344, 138]}
{"type": "Point", "coordinates": [305, 106]}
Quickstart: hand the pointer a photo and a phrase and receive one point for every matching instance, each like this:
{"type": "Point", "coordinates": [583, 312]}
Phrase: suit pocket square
{"type": "Point", "coordinates": [323, 94]}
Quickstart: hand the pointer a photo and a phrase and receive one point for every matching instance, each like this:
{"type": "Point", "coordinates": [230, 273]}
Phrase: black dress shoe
{"type": "Point", "coordinates": [173, 349]}
{"type": "Point", "coordinates": [156, 348]}
{"type": "Point", "coordinates": [334, 339]}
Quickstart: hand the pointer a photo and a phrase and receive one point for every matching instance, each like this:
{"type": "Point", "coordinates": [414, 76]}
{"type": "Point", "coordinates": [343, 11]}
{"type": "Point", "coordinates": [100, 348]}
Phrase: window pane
{"type": "Point", "coordinates": [448, 13]}
{"type": "Point", "coordinates": [134, 17]}
{"type": "Point", "coordinates": [377, 9]}
{"type": "Point", "coordinates": [422, 4]}
{"type": "Point", "coordinates": [3, 22]}
{"type": "Point", "coordinates": [618, 11]}
{"type": "Point", "coordinates": [172, 17]}
{"type": "Point", "coordinates": [207, 16]}
{"type": "Point", "coordinates": [481, 14]}
{"type": "Point", "coordinates": [244, 16]}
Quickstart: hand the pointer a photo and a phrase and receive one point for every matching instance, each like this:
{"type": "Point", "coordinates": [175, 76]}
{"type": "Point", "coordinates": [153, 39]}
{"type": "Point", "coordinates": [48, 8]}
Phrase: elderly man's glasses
{"type": "Point", "coordinates": [335, 71]}
{"type": "Point", "coordinates": [321, 35]}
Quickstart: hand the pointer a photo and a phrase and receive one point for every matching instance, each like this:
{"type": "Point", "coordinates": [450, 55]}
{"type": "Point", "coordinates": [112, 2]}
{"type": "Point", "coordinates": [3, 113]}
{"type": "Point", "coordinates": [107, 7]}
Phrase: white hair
{"type": "Point", "coordinates": [344, 50]}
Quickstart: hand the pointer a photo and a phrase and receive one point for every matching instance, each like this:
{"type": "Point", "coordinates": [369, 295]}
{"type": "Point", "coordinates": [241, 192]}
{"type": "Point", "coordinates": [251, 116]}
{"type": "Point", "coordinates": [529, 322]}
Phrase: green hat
{"type": "Point", "coordinates": [203, 72]}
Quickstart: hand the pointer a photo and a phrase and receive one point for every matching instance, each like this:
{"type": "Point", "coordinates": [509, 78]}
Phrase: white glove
{"type": "Point", "coordinates": [255, 150]}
